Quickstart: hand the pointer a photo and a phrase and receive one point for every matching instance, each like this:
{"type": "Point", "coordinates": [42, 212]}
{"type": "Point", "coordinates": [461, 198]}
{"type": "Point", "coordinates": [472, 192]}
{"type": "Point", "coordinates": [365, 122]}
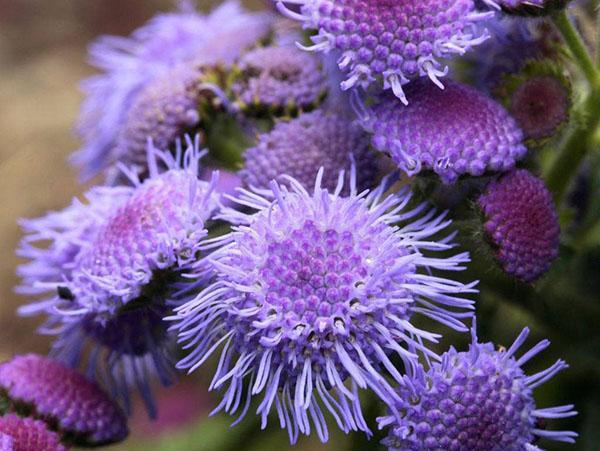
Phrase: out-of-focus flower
{"type": "Point", "coordinates": [539, 98]}
{"type": "Point", "coordinates": [521, 223]}
{"type": "Point", "coordinates": [113, 292]}
{"type": "Point", "coordinates": [278, 80]}
{"type": "Point", "coordinates": [479, 400]}
{"type": "Point", "coordinates": [313, 294]}
{"type": "Point", "coordinates": [454, 131]}
{"type": "Point", "coordinates": [27, 434]}
{"type": "Point", "coordinates": [129, 64]}
{"type": "Point", "coordinates": [396, 40]}
{"type": "Point", "coordinates": [300, 147]}
{"type": "Point", "coordinates": [63, 397]}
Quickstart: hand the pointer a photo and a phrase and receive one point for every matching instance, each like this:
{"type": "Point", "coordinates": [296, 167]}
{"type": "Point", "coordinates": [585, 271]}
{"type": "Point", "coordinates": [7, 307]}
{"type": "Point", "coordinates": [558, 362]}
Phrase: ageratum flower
{"type": "Point", "coordinates": [479, 400]}
{"type": "Point", "coordinates": [129, 64]}
{"type": "Point", "coordinates": [279, 79]}
{"type": "Point", "coordinates": [452, 132]}
{"type": "Point", "coordinates": [163, 111]}
{"type": "Point", "coordinates": [27, 434]}
{"type": "Point", "coordinates": [112, 296]}
{"type": "Point", "coordinates": [63, 397]}
{"type": "Point", "coordinates": [313, 294]}
{"type": "Point", "coordinates": [521, 223]}
{"type": "Point", "coordinates": [396, 40]}
{"type": "Point", "coordinates": [303, 145]}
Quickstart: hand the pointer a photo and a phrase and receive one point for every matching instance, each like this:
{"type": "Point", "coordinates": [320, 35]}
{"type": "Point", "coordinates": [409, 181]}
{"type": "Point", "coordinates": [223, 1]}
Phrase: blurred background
{"type": "Point", "coordinates": [42, 59]}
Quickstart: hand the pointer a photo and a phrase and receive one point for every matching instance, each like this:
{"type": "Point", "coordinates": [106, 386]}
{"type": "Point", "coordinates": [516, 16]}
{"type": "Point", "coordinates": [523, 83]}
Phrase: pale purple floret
{"type": "Point", "coordinates": [110, 291]}
{"type": "Point", "coordinates": [522, 224]}
{"type": "Point", "coordinates": [393, 40]}
{"type": "Point", "coordinates": [479, 400]}
{"type": "Point", "coordinates": [6, 442]}
{"type": "Point", "coordinates": [314, 294]}
{"type": "Point", "coordinates": [279, 78]}
{"type": "Point", "coordinates": [128, 64]}
{"type": "Point", "coordinates": [453, 132]}
{"type": "Point", "coordinates": [300, 147]}
{"type": "Point", "coordinates": [60, 395]}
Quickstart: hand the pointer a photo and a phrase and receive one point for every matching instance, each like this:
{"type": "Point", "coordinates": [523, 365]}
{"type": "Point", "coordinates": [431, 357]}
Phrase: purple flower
{"type": "Point", "coordinates": [113, 291]}
{"type": "Point", "coordinates": [397, 40]}
{"type": "Point", "coordinates": [452, 132]}
{"type": "Point", "coordinates": [129, 64]}
{"type": "Point", "coordinates": [521, 223]}
{"type": "Point", "coordinates": [300, 147]}
{"type": "Point", "coordinates": [313, 294]}
{"type": "Point", "coordinates": [27, 434]}
{"type": "Point", "coordinates": [279, 79]}
{"type": "Point", "coordinates": [63, 397]}
{"type": "Point", "coordinates": [163, 110]}
{"type": "Point", "coordinates": [479, 400]}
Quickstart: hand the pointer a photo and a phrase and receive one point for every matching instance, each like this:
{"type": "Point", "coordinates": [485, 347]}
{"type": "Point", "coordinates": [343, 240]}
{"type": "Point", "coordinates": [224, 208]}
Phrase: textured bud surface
{"type": "Point", "coordinates": [300, 147]}
{"type": "Point", "coordinates": [77, 405]}
{"type": "Point", "coordinates": [454, 131]}
{"type": "Point", "coordinates": [522, 224]}
{"type": "Point", "coordinates": [397, 40]}
{"type": "Point", "coordinates": [27, 434]}
{"type": "Point", "coordinates": [479, 400]}
{"type": "Point", "coordinates": [279, 79]}
{"type": "Point", "coordinates": [314, 289]}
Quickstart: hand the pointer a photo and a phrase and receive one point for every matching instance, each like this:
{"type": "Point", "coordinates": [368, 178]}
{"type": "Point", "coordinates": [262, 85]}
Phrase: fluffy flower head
{"type": "Point", "coordinates": [77, 405]}
{"type": "Point", "coordinates": [394, 40]}
{"type": "Point", "coordinates": [129, 64]}
{"type": "Point", "coordinates": [114, 291]}
{"type": "Point", "coordinates": [478, 400]}
{"type": "Point", "coordinates": [454, 131]}
{"type": "Point", "coordinates": [316, 289]}
{"type": "Point", "coordinates": [521, 223]}
{"type": "Point", "coordinates": [300, 147]}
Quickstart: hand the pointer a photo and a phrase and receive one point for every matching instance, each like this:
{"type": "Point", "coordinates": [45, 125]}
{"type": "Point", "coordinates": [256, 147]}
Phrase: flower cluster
{"type": "Point", "coordinates": [316, 273]}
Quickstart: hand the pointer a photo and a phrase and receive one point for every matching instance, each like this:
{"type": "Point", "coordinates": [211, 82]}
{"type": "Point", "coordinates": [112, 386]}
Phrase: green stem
{"type": "Point", "coordinates": [576, 46]}
{"type": "Point", "coordinates": [575, 147]}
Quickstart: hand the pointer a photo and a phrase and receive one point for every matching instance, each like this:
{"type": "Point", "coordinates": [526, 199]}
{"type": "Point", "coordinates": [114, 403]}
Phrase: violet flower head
{"type": "Point", "coordinates": [393, 40]}
{"type": "Point", "coordinates": [452, 132]}
{"type": "Point", "coordinates": [27, 434]}
{"type": "Point", "coordinates": [478, 400]}
{"type": "Point", "coordinates": [521, 223]}
{"type": "Point", "coordinates": [313, 294]}
{"type": "Point", "coordinates": [163, 110]}
{"type": "Point", "coordinates": [279, 79]}
{"type": "Point", "coordinates": [115, 291]}
{"type": "Point", "coordinates": [64, 397]}
{"type": "Point", "coordinates": [300, 147]}
{"type": "Point", "coordinates": [129, 64]}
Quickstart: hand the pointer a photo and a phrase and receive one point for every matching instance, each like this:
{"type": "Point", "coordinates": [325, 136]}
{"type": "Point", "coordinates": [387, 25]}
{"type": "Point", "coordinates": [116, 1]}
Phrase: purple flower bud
{"type": "Point", "coordinates": [398, 40]}
{"type": "Point", "coordinates": [300, 147]}
{"type": "Point", "coordinates": [279, 79]}
{"type": "Point", "coordinates": [479, 400]}
{"type": "Point", "coordinates": [27, 434]}
{"type": "Point", "coordinates": [64, 397]}
{"type": "Point", "coordinates": [521, 223]}
{"type": "Point", "coordinates": [452, 132]}
{"type": "Point", "coordinates": [313, 294]}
